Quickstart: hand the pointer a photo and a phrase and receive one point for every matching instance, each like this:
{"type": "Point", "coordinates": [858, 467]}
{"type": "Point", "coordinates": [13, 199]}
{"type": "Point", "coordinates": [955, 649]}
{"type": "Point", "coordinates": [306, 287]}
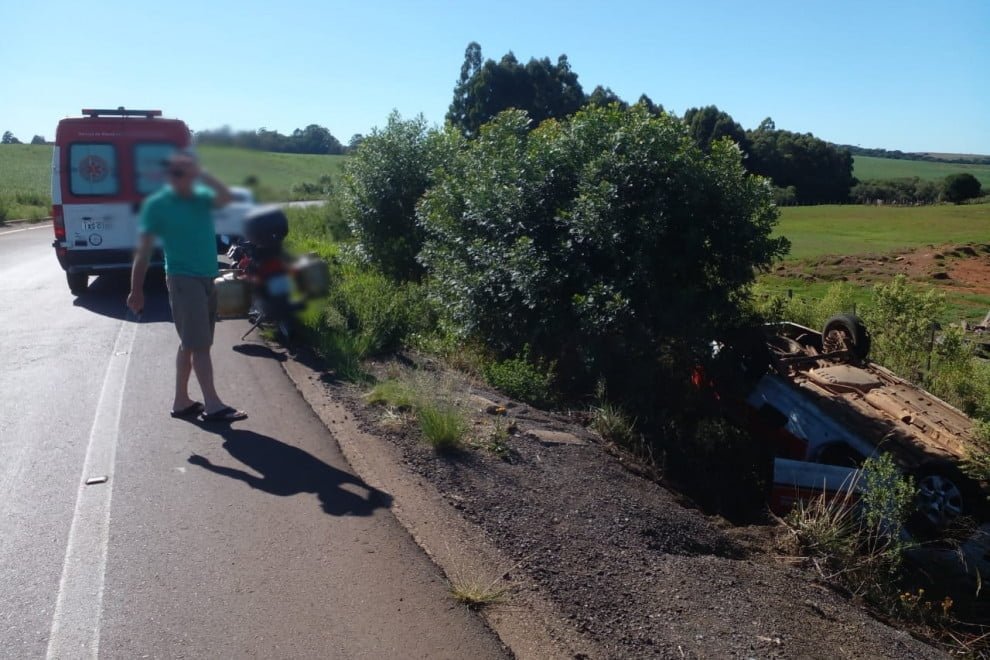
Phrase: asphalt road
{"type": "Point", "coordinates": [254, 540]}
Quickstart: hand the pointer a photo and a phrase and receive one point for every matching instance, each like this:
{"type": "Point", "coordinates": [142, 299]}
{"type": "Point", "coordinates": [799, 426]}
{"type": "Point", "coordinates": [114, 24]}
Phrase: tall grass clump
{"type": "Point", "coordinates": [854, 536]}
{"type": "Point", "coordinates": [394, 393]}
{"type": "Point", "coordinates": [443, 425]}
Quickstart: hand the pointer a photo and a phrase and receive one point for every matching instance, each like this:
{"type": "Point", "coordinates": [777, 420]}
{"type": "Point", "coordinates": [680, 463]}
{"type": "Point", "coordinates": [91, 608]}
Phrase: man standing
{"type": "Point", "coordinates": [180, 214]}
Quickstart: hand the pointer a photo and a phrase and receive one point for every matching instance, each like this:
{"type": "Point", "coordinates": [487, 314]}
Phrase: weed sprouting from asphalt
{"type": "Point", "coordinates": [476, 592]}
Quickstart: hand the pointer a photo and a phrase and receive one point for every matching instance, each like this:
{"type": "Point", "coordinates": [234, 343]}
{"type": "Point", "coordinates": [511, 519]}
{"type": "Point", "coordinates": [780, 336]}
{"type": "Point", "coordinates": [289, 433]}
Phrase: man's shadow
{"type": "Point", "coordinates": [288, 470]}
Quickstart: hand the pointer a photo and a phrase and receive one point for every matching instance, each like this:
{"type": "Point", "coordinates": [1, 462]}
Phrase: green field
{"type": "Point", "coordinates": [25, 173]}
{"type": "Point", "coordinates": [816, 231]}
{"type": "Point", "coordinates": [868, 167]}
{"type": "Point", "coordinates": [860, 229]}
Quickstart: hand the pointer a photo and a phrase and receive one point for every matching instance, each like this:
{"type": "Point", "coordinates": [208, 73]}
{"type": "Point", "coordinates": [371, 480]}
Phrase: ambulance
{"type": "Point", "coordinates": [103, 166]}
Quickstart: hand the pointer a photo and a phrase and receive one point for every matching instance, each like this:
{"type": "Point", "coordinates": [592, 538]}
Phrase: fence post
{"type": "Point", "coordinates": [931, 348]}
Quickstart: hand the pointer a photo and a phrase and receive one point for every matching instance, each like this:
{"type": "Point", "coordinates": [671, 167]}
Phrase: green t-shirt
{"type": "Point", "coordinates": [185, 227]}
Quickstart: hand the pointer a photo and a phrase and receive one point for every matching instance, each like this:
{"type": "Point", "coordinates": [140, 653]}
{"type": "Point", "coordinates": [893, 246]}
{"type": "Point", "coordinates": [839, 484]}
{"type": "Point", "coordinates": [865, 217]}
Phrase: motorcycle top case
{"type": "Point", "coordinates": [266, 226]}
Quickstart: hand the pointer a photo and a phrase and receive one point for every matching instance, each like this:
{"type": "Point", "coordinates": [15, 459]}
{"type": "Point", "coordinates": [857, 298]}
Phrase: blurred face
{"type": "Point", "coordinates": [180, 171]}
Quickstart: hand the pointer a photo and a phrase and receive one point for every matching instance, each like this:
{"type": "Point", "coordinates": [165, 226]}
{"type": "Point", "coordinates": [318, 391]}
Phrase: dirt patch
{"type": "Point", "coordinates": [958, 268]}
{"type": "Point", "coordinates": [623, 560]}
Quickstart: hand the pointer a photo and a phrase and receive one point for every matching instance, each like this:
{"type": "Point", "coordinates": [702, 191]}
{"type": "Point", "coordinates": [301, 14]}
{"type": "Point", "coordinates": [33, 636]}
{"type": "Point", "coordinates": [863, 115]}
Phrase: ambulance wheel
{"type": "Point", "coordinates": [78, 283]}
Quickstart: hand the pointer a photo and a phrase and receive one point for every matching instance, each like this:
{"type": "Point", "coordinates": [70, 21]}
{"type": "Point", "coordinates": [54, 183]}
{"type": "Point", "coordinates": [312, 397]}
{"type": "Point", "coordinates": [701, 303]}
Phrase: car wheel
{"type": "Point", "coordinates": [78, 283]}
{"type": "Point", "coordinates": [846, 332]}
{"type": "Point", "coordinates": [946, 502]}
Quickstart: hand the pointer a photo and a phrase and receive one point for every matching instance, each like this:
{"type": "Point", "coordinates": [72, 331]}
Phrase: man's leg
{"type": "Point", "coordinates": [183, 367]}
{"type": "Point", "coordinates": [202, 364]}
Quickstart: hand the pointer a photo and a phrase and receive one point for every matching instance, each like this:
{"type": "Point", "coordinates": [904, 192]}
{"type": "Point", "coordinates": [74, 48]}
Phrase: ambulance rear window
{"type": "Point", "coordinates": [93, 169]}
{"type": "Point", "coordinates": [148, 157]}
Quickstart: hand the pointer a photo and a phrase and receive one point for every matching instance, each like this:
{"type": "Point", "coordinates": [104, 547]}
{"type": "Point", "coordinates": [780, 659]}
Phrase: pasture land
{"type": "Point", "coordinates": [860, 229]}
{"type": "Point", "coordinates": [869, 167]}
{"type": "Point", "coordinates": [943, 246]}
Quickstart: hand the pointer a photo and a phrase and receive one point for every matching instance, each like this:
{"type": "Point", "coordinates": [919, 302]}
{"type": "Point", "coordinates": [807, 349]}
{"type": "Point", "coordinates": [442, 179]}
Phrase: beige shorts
{"type": "Point", "coordinates": [194, 309]}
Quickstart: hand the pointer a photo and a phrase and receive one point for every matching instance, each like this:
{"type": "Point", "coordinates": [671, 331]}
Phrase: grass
{"type": "Point", "coordinates": [869, 167]}
{"type": "Point", "coordinates": [443, 425]}
{"type": "Point", "coordinates": [25, 181]}
{"type": "Point", "coordinates": [476, 592]}
{"type": "Point", "coordinates": [393, 393]}
{"type": "Point", "coordinates": [816, 231]}
{"type": "Point", "coordinates": [613, 424]}
{"type": "Point", "coordinates": [276, 173]}
{"type": "Point", "coordinates": [859, 229]}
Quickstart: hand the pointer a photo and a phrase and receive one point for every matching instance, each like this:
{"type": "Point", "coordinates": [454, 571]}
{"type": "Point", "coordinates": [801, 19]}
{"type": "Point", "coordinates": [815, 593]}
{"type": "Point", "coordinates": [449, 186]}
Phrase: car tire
{"type": "Point", "coordinates": [946, 500]}
{"type": "Point", "coordinates": [852, 332]}
{"type": "Point", "coordinates": [78, 283]}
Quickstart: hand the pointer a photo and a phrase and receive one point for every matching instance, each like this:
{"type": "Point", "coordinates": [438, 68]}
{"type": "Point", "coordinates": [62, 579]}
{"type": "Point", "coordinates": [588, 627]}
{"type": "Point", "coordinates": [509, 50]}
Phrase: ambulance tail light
{"type": "Point", "coordinates": [58, 222]}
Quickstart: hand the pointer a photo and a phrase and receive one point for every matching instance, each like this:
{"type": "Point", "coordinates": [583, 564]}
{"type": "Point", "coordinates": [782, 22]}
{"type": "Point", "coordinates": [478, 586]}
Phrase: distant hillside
{"type": "Point", "coordinates": [928, 156]}
{"type": "Point", "coordinates": [866, 168]}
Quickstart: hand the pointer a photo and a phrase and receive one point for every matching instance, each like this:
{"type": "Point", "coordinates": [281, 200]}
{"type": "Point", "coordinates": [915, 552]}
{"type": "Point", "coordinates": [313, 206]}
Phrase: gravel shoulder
{"type": "Point", "coordinates": [600, 562]}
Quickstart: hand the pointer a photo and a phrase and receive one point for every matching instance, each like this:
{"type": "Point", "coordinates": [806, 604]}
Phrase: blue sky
{"type": "Point", "coordinates": [907, 75]}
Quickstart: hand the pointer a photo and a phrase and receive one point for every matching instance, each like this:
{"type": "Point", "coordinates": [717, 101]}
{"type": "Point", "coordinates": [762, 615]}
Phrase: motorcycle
{"type": "Point", "coordinates": [259, 259]}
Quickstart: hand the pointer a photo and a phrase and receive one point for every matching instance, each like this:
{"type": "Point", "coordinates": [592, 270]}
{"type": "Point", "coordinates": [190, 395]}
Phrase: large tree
{"type": "Point", "coordinates": [8, 138]}
{"type": "Point", "coordinates": [485, 88]}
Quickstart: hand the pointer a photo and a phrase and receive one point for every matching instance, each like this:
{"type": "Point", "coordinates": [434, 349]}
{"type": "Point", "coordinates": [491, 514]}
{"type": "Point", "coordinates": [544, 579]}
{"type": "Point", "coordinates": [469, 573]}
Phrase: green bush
{"type": "Point", "coordinates": [901, 318]}
{"type": "Point", "coordinates": [383, 181]}
{"type": "Point", "coordinates": [960, 187]}
{"type": "Point", "coordinates": [608, 242]}
{"type": "Point", "coordinates": [521, 379]}
{"type": "Point", "coordinates": [380, 311]}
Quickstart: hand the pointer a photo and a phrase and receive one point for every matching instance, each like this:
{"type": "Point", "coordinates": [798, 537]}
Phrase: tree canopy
{"type": "Point", "coordinates": [8, 138]}
{"type": "Point", "coordinates": [709, 124]}
{"type": "Point", "coordinates": [597, 240]}
{"type": "Point", "coordinates": [960, 187]}
{"type": "Point", "coordinates": [819, 172]}
{"type": "Point", "coordinates": [541, 88]}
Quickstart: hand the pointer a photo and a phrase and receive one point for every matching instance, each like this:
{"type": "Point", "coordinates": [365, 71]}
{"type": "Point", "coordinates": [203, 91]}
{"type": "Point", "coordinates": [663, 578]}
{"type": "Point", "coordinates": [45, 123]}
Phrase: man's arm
{"type": "Point", "coordinates": [135, 301]}
{"type": "Point", "coordinates": [222, 194]}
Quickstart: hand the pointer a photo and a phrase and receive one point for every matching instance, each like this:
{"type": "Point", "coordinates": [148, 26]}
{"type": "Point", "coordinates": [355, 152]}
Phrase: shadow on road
{"type": "Point", "coordinates": [107, 296]}
{"type": "Point", "coordinates": [288, 470]}
{"type": "Point", "coordinates": [259, 350]}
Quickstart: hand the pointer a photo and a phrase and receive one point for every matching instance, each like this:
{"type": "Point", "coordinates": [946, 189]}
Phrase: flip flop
{"type": "Point", "coordinates": [225, 414]}
{"type": "Point", "coordinates": [191, 410]}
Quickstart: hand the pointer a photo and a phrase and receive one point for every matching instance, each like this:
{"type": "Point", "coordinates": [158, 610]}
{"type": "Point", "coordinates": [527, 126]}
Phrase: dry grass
{"type": "Point", "coordinates": [477, 591]}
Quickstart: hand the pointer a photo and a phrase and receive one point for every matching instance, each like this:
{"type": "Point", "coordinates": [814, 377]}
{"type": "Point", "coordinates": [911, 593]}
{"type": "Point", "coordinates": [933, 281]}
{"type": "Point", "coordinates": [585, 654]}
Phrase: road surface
{"type": "Point", "coordinates": [254, 540]}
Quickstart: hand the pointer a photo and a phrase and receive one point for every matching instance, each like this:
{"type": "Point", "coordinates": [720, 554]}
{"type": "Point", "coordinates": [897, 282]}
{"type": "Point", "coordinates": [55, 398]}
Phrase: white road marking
{"type": "Point", "coordinates": [75, 631]}
{"type": "Point", "coordinates": [15, 231]}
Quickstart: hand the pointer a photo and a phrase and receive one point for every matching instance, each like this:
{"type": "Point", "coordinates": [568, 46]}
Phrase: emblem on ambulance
{"type": "Point", "coordinates": [95, 239]}
{"type": "Point", "coordinates": [93, 168]}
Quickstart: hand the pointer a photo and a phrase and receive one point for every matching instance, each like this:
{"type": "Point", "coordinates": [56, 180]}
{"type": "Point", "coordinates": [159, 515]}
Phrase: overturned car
{"type": "Point", "coordinates": [825, 408]}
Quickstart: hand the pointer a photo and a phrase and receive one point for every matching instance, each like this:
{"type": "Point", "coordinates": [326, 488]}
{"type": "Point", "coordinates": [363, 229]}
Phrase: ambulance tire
{"type": "Point", "coordinates": [78, 283]}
